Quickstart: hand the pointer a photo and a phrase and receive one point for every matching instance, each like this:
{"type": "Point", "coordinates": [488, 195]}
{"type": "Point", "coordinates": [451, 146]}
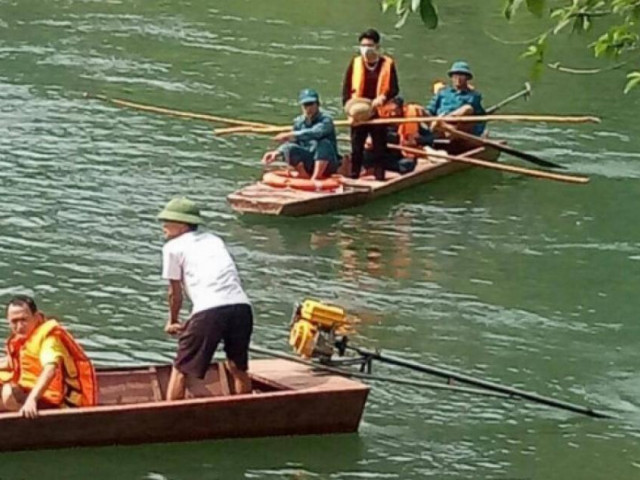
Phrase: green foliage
{"type": "Point", "coordinates": [425, 8]}
{"type": "Point", "coordinates": [620, 18]}
{"type": "Point", "coordinates": [633, 80]}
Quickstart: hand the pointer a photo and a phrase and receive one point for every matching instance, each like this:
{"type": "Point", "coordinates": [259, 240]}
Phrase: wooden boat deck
{"type": "Point", "coordinates": [289, 399]}
{"type": "Point", "coordinates": [259, 198]}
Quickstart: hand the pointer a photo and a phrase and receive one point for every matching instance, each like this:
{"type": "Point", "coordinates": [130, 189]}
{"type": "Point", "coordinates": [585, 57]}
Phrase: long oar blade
{"type": "Point", "coordinates": [502, 147]}
{"type": "Point", "coordinates": [516, 392]}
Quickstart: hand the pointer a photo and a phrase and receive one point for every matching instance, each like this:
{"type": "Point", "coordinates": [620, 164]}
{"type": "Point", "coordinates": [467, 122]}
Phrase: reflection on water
{"type": "Point", "coordinates": [377, 250]}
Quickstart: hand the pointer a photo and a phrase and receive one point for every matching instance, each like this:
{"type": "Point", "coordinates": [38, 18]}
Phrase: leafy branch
{"type": "Point", "coordinates": [622, 17]}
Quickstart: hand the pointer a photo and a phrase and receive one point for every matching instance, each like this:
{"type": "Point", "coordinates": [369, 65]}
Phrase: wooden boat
{"type": "Point", "coordinates": [290, 399]}
{"type": "Point", "coordinates": [260, 198]}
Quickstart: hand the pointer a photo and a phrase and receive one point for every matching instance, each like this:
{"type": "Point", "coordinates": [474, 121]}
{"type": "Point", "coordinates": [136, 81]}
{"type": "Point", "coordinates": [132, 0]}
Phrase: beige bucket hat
{"type": "Point", "coordinates": [359, 109]}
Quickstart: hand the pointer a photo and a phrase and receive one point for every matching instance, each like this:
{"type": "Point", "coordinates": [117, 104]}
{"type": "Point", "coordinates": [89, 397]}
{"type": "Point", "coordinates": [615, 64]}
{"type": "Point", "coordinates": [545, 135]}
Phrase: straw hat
{"type": "Point", "coordinates": [359, 109]}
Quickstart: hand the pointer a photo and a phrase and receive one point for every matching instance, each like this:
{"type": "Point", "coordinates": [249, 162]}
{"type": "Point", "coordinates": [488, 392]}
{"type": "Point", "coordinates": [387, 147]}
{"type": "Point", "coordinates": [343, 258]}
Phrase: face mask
{"type": "Point", "coordinates": [368, 52]}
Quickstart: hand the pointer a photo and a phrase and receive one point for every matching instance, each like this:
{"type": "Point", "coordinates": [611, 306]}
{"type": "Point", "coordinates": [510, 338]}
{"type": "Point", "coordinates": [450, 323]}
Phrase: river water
{"type": "Point", "coordinates": [523, 281]}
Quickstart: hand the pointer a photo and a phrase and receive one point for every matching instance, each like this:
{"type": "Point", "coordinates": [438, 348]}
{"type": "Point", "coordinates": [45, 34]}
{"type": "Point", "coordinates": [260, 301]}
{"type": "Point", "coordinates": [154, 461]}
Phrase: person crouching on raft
{"type": "Point", "coordinates": [45, 368]}
{"type": "Point", "coordinates": [311, 148]}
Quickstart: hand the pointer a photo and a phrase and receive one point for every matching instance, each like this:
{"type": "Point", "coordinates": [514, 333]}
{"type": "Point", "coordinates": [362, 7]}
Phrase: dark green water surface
{"type": "Point", "coordinates": [523, 281]}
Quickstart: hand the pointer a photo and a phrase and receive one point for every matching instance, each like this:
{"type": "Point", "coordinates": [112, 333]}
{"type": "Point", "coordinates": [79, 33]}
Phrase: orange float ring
{"type": "Point", "coordinates": [284, 179]}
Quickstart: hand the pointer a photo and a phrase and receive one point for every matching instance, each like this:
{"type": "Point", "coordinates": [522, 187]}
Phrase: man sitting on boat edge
{"type": "Point", "coordinates": [220, 308]}
{"type": "Point", "coordinates": [311, 148]}
{"type": "Point", "coordinates": [458, 99]}
{"type": "Point", "coordinates": [412, 134]}
{"type": "Point", "coordinates": [44, 367]}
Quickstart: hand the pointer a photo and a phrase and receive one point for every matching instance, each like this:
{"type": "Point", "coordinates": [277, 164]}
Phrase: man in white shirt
{"type": "Point", "coordinates": [200, 262]}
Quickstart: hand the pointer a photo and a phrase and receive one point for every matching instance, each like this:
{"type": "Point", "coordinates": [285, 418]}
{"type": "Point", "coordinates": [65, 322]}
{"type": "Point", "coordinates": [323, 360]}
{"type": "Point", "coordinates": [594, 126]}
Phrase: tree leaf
{"type": "Point", "coordinates": [536, 7]}
{"type": "Point", "coordinates": [429, 14]}
{"type": "Point", "coordinates": [633, 81]}
{"type": "Point", "coordinates": [510, 8]}
{"type": "Point", "coordinates": [403, 18]}
{"type": "Point", "coordinates": [561, 25]}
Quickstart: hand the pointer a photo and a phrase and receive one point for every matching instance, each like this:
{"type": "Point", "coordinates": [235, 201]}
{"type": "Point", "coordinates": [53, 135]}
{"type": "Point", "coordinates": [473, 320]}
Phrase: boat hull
{"type": "Point", "coordinates": [297, 402]}
{"type": "Point", "coordinates": [262, 199]}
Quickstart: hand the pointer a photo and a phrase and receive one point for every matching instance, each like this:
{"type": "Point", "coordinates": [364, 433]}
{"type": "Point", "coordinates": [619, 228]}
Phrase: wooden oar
{"type": "Point", "coordinates": [522, 93]}
{"type": "Point", "coordinates": [177, 113]}
{"type": "Point", "coordinates": [478, 382]}
{"type": "Point", "coordinates": [399, 121]}
{"type": "Point", "coordinates": [493, 165]}
{"type": "Point", "coordinates": [475, 140]}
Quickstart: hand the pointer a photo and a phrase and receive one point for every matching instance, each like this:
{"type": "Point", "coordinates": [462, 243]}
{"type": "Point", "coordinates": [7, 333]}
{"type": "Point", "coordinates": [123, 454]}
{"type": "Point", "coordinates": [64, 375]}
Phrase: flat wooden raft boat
{"type": "Point", "coordinates": [259, 198]}
{"type": "Point", "coordinates": [291, 399]}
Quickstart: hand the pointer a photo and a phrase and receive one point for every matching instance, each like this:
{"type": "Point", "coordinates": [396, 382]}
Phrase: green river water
{"type": "Point", "coordinates": [523, 281]}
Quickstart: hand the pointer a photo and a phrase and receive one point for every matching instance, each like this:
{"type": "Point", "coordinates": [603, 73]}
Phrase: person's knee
{"type": "Point", "coordinates": [464, 110]}
{"type": "Point", "coordinates": [286, 150]}
{"type": "Point", "coordinates": [325, 150]}
{"type": "Point", "coordinates": [12, 397]}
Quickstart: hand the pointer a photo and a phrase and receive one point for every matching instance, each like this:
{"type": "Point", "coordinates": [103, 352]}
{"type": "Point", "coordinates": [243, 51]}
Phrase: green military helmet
{"type": "Point", "coordinates": [460, 67]}
{"type": "Point", "coordinates": [181, 210]}
{"type": "Point", "coordinates": [308, 95]}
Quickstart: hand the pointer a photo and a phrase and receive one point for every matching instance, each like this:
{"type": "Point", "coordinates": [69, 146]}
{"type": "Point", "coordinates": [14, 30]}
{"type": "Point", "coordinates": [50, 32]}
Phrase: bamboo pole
{"type": "Point", "coordinates": [495, 166]}
{"type": "Point", "coordinates": [401, 120]}
{"type": "Point", "coordinates": [177, 113]}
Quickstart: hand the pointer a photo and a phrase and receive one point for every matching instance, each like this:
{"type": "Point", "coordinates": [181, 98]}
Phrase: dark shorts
{"type": "Point", "coordinates": [198, 342]}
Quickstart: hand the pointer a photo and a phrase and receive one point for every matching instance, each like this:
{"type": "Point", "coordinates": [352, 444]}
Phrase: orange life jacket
{"type": "Point", "coordinates": [357, 76]}
{"type": "Point", "coordinates": [24, 356]}
{"type": "Point", "coordinates": [408, 130]}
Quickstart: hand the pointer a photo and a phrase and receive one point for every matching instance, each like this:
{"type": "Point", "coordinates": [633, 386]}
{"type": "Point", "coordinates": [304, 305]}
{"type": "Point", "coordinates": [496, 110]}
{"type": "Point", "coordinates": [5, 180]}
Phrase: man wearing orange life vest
{"type": "Point", "coordinates": [373, 76]}
{"type": "Point", "coordinates": [44, 366]}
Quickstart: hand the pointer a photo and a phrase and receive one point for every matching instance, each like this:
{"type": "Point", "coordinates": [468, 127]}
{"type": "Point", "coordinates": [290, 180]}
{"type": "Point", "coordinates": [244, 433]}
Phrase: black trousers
{"type": "Point", "coordinates": [378, 138]}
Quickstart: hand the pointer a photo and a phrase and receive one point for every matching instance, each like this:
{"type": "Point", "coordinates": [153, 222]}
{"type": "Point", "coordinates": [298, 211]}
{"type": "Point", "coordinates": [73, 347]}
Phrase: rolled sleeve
{"type": "Point", "coordinates": [171, 264]}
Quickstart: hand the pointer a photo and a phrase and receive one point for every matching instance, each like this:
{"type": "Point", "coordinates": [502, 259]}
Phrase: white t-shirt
{"type": "Point", "coordinates": [205, 267]}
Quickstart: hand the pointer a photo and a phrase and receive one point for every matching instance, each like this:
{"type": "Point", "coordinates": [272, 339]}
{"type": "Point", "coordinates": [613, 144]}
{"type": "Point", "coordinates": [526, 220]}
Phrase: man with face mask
{"type": "Point", "coordinates": [373, 76]}
{"type": "Point", "coordinates": [311, 148]}
{"type": "Point", "coordinates": [459, 99]}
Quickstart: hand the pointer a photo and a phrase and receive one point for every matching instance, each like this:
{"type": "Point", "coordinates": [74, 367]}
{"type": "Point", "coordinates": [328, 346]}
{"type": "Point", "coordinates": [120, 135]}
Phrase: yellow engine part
{"type": "Point", "coordinates": [303, 338]}
{"type": "Point", "coordinates": [326, 316]}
